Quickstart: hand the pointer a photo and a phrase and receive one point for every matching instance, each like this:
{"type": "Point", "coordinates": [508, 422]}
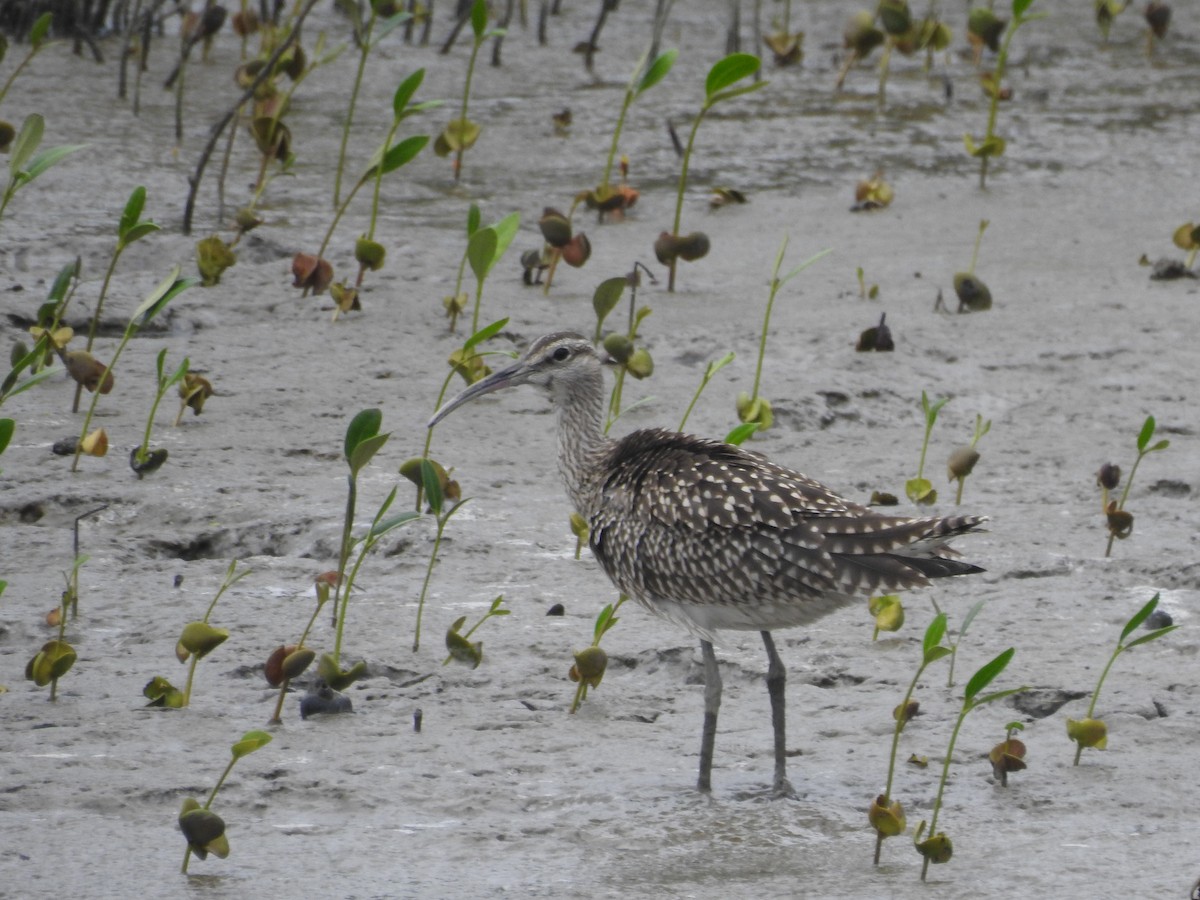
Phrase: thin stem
{"type": "Point", "coordinates": [612, 150]}
{"type": "Point", "coordinates": [437, 543]}
{"type": "Point", "coordinates": [1124, 496]}
{"type": "Point", "coordinates": [95, 323]}
{"type": "Point", "coordinates": [187, 688]}
{"type": "Point", "coordinates": [462, 120]}
{"type": "Point", "coordinates": [1096, 694]}
{"type": "Point", "coordinates": [884, 65]}
{"type": "Point", "coordinates": [900, 722]}
{"type": "Point", "coordinates": [358, 77]}
{"type": "Point", "coordinates": [337, 217]}
{"type": "Point", "coordinates": [683, 175]}
{"type": "Point", "coordinates": [344, 552]}
{"type": "Point", "coordinates": [937, 803]}
{"type": "Point", "coordinates": [87, 419]}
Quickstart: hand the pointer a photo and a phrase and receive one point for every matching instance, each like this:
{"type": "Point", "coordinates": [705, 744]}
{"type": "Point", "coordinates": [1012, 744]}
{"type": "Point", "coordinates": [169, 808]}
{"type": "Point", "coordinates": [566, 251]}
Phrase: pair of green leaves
{"type": "Point", "coordinates": [485, 246]}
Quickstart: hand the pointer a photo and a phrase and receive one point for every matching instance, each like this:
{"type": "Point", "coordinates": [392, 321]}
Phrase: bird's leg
{"type": "Point", "coordinates": [776, 683]}
{"type": "Point", "coordinates": [712, 703]}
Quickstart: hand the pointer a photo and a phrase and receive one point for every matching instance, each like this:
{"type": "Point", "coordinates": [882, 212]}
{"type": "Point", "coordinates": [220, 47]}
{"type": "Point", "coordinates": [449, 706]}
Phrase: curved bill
{"type": "Point", "coordinates": [494, 382]}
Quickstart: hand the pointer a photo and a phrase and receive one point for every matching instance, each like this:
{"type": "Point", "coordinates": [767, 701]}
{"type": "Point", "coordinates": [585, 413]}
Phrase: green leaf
{"type": "Point", "coordinates": [1019, 7]}
{"type": "Point", "coordinates": [388, 25]}
{"type": "Point", "coordinates": [403, 152]}
{"type": "Point", "coordinates": [156, 301]}
{"type": "Point", "coordinates": [481, 251]}
{"type": "Point", "coordinates": [25, 143]}
{"type": "Point", "coordinates": [656, 72]}
{"type": "Point", "coordinates": [365, 450]}
{"type": "Point", "coordinates": [987, 673]}
{"type": "Point", "coordinates": [379, 529]}
{"type": "Point", "coordinates": [405, 92]}
{"type": "Point", "coordinates": [479, 18]}
{"type": "Point", "coordinates": [607, 296]}
{"type": "Point", "coordinates": [62, 281]}
{"type": "Point", "coordinates": [1161, 445]}
{"type": "Point", "coordinates": [251, 741]}
{"type": "Point", "coordinates": [474, 219]}
{"type": "Point", "coordinates": [433, 487]}
{"type": "Point", "coordinates": [7, 427]}
{"type": "Point", "coordinates": [139, 231]}
{"type": "Point", "coordinates": [133, 211]}
{"type": "Point", "coordinates": [1152, 636]}
{"type": "Point", "coordinates": [733, 92]}
{"type": "Point", "coordinates": [934, 633]}
{"type": "Point", "coordinates": [741, 433]}
{"type": "Point", "coordinates": [998, 695]}
{"type": "Point", "coordinates": [804, 265]}
{"type": "Point", "coordinates": [728, 71]}
{"type": "Point", "coordinates": [934, 654]}
{"type": "Point", "coordinates": [32, 380]}
{"type": "Point", "coordinates": [484, 333]}
{"type": "Point", "coordinates": [48, 158]}
{"type": "Point", "coordinates": [39, 30]}
{"type": "Point", "coordinates": [970, 617]}
{"type": "Point", "coordinates": [1145, 434]}
{"type": "Point", "coordinates": [506, 230]}
{"type": "Point", "coordinates": [1138, 618]}
{"type": "Point", "coordinates": [364, 425]}
{"type": "Point", "coordinates": [718, 364]}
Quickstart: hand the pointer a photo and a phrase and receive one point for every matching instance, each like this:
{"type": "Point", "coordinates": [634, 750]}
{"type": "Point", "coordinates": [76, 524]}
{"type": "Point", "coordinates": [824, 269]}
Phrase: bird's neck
{"type": "Point", "coordinates": [582, 442]}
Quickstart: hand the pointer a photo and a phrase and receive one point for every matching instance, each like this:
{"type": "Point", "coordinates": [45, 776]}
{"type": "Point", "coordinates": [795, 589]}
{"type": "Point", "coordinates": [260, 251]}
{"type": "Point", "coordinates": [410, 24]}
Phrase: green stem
{"type": "Point", "coordinates": [994, 106]}
{"type": "Point", "coordinates": [337, 217]}
{"type": "Point", "coordinates": [900, 722]}
{"type": "Point", "coordinates": [87, 419]}
{"type": "Point", "coordinates": [95, 323]}
{"type": "Point", "coordinates": [458, 155]}
{"type": "Point", "coordinates": [358, 77]}
{"type": "Point", "coordinates": [612, 150]}
{"type": "Point", "coordinates": [429, 432]}
{"type": "Point", "coordinates": [187, 689]}
{"type": "Point", "coordinates": [683, 176]}
{"type": "Point", "coordinates": [344, 554]}
{"type": "Point", "coordinates": [937, 803]}
{"type": "Point", "coordinates": [341, 622]}
{"type": "Point", "coordinates": [884, 65]}
{"type": "Point", "coordinates": [1124, 496]}
{"type": "Point", "coordinates": [17, 71]}
{"type": "Point", "coordinates": [1096, 694]}
{"type": "Point", "coordinates": [437, 543]}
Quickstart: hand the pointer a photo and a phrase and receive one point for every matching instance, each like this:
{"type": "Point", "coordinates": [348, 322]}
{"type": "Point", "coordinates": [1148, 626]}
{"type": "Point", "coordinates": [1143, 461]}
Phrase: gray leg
{"type": "Point", "coordinates": [776, 682]}
{"type": "Point", "coordinates": [712, 703]}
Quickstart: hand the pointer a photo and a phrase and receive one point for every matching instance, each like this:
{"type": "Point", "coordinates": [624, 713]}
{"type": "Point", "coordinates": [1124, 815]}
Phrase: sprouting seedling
{"type": "Point", "coordinates": [1008, 755]}
{"type": "Point", "coordinates": [329, 666]}
{"type": "Point", "coordinates": [131, 227]}
{"type": "Point", "coordinates": [485, 247]}
{"type": "Point", "coordinates": [203, 828]}
{"type": "Point", "coordinates": [459, 644]}
{"type": "Point", "coordinates": [605, 299]}
{"type": "Point", "coordinates": [937, 848]}
{"type": "Point", "coordinates": [888, 612]}
{"type": "Point", "coordinates": [1120, 520]}
{"type": "Point", "coordinates": [288, 661]}
{"type": "Point", "coordinates": [973, 294]}
{"type": "Point", "coordinates": [57, 656]}
{"type": "Point", "coordinates": [25, 163]}
{"type": "Point", "coordinates": [1092, 732]}
{"type": "Point", "coordinates": [751, 407]}
{"type": "Point", "coordinates": [962, 461]}
{"type": "Point", "coordinates": [718, 86]}
{"type": "Point", "coordinates": [363, 440]}
{"type": "Point", "coordinates": [992, 144]}
{"type": "Point", "coordinates": [460, 134]}
{"type": "Point", "coordinates": [887, 815]}
{"type": "Point", "coordinates": [920, 489]}
{"type": "Point", "coordinates": [142, 459]}
{"type": "Point", "coordinates": [194, 391]}
{"type": "Point", "coordinates": [861, 37]}
{"type": "Point", "coordinates": [315, 273]}
{"type": "Point", "coordinates": [784, 43]}
{"type": "Point", "coordinates": [865, 292]}
{"type": "Point", "coordinates": [442, 513]}
{"type": "Point", "coordinates": [1187, 237]}
{"type": "Point", "coordinates": [904, 34]}
{"type": "Point", "coordinates": [200, 638]}
{"type": "Point", "coordinates": [367, 40]}
{"type": "Point", "coordinates": [975, 609]}
{"type": "Point", "coordinates": [39, 33]}
{"type": "Point", "coordinates": [72, 594]}
{"type": "Point", "coordinates": [156, 301]}
{"type": "Point", "coordinates": [592, 662]}
{"type": "Point", "coordinates": [714, 366]}
{"type": "Point", "coordinates": [562, 242]}
{"type": "Point", "coordinates": [607, 198]}
{"type": "Point", "coordinates": [455, 303]}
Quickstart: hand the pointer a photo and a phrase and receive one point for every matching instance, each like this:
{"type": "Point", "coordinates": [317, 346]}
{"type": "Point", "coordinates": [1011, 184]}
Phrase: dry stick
{"type": "Point", "coordinates": [458, 26]}
{"type": "Point", "coordinates": [214, 136]}
{"type": "Point", "coordinates": [605, 7]}
{"type": "Point", "coordinates": [503, 25]}
{"type": "Point", "coordinates": [733, 38]}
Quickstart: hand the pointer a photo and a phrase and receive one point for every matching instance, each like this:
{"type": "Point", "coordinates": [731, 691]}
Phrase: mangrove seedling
{"type": "Point", "coordinates": [131, 227]}
{"type": "Point", "coordinates": [203, 829]}
{"type": "Point", "coordinates": [362, 441]}
{"type": "Point", "coordinates": [607, 198]}
{"type": "Point", "coordinates": [460, 134]}
{"type": "Point", "coordinates": [142, 459]}
{"type": "Point", "coordinates": [963, 459]}
{"type": "Point", "coordinates": [156, 301]}
{"type": "Point", "coordinates": [1106, 13]}
{"type": "Point", "coordinates": [484, 249]}
{"type": "Point", "coordinates": [367, 40]}
{"type": "Point", "coordinates": [459, 644]}
{"type": "Point", "coordinates": [1092, 732]}
{"type": "Point", "coordinates": [877, 337]}
{"type": "Point", "coordinates": [962, 633]}
{"type": "Point", "coordinates": [751, 407]}
{"type": "Point", "coordinates": [605, 299]}
{"type": "Point", "coordinates": [721, 84]}
{"type": "Point", "coordinates": [1187, 237]}
{"type": "Point", "coordinates": [920, 489]}
{"type": "Point", "coordinates": [1008, 755]}
{"type": "Point", "coordinates": [200, 638]}
{"type": "Point", "coordinates": [860, 37]}
{"type": "Point", "coordinates": [905, 35]}
{"type": "Point", "coordinates": [288, 661]}
{"type": "Point", "coordinates": [714, 366]}
{"type": "Point", "coordinates": [194, 390]}
{"type": "Point", "coordinates": [973, 294]}
{"type": "Point", "coordinates": [455, 303]}
{"type": "Point", "coordinates": [937, 848]}
{"type": "Point", "coordinates": [25, 163]}
{"type": "Point", "coordinates": [785, 45]}
{"type": "Point", "coordinates": [871, 194]}
{"type": "Point", "coordinates": [886, 815]}
{"type": "Point", "coordinates": [39, 33]}
{"type": "Point", "coordinates": [329, 666]}
{"type": "Point", "coordinates": [574, 248]}
{"type": "Point", "coordinates": [592, 662]}
{"type": "Point", "coordinates": [992, 144]}
{"type": "Point", "coordinates": [1119, 519]}
{"type": "Point", "coordinates": [443, 508]}
{"type": "Point", "coordinates": [630, 359]}
{"type": "Point", "coordinates": [57, 656]}
{"type": "Point", "coordinates": [888, 612]}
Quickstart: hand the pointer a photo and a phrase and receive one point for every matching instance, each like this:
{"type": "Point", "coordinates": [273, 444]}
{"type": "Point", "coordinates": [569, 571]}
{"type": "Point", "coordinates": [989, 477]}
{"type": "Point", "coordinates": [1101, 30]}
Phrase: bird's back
{"type": "Point", "coordinates": [712, 536]}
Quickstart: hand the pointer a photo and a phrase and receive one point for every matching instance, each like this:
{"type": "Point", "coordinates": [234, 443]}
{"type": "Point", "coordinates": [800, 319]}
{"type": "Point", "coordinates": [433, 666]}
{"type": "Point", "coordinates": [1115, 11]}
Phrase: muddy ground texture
{"type": "Point", "coordinates": [502, 792]}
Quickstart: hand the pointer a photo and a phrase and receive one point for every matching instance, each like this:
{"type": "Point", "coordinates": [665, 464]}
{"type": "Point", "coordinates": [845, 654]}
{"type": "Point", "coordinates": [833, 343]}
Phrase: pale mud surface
{"type": "Point", "coordinates": [503, 792]}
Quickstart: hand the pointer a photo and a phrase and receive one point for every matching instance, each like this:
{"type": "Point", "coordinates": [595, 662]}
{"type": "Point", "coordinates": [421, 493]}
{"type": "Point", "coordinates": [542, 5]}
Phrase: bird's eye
{"type": "Point", "coordinates": [562, 354]}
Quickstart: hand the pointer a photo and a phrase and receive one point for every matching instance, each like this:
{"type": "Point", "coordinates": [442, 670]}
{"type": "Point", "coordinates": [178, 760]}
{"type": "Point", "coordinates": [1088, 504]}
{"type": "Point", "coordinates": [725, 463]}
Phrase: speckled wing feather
{"type": "Point", "coordinates": [716, 537]}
